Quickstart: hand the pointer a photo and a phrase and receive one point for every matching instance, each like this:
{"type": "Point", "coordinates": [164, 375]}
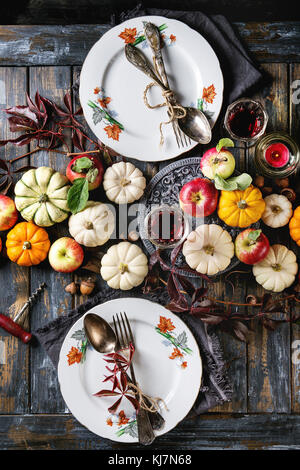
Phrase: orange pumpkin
{"type": "Point", "coordinates": [295, 226]}
{"type": "Point", "coordinates": [27, 244]}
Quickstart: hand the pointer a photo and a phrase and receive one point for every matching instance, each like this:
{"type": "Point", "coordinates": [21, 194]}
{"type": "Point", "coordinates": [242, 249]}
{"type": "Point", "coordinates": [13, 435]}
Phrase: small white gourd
{"type": "Point", "coordinates": [124, 266]}
{"type": "Point", "coordinates": [277, 270]}
{"type": "Point", "coordinates": [278, 211]}
{"type": "Point", "coordinates": [208, 249]}
{"type": "Point", "coordinates": [123, 183]}
{"type": "Point", "coordinates": [93, 225]}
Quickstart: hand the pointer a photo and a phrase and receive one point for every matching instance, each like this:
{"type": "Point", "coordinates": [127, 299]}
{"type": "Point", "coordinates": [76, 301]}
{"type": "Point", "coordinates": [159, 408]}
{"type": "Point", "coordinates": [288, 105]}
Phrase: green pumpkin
{"type": "Point", "coordinates": [41, 196]}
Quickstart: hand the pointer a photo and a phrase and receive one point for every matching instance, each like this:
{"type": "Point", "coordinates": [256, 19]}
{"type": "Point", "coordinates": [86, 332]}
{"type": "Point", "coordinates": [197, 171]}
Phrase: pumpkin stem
{"type": "Point", "coordinates": [276, 267]}
{"type": "Point", "coordinates": [124, 182]}
{"type": "Point", "coordinates": [26, 245]}
{"type": "Point", "coordinates": [242, 204]}
{"type": "Point", "coordinates": [43, 198]}
{"type": "Point", "coordinates": [276, 209]}
{"type": "Point", "coordinates": [89, 225]}
{"type": "Point", "coordinates": [209, 250]}
{"type": "Point", "coordinates": [123, 268]}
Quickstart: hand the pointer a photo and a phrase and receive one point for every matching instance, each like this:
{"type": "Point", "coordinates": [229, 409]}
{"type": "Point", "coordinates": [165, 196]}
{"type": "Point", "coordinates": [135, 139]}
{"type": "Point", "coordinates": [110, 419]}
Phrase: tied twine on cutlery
{"type": "Point", "coordinates": [141, 396]}
{"type": "Point", "coordinates": [175, 111]}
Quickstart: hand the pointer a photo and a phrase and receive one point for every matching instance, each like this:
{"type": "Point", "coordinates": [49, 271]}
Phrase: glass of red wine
{"type": "Point", "coordinates": [166, 226]}
{"type": "Point", "coordinates": [245, 120]}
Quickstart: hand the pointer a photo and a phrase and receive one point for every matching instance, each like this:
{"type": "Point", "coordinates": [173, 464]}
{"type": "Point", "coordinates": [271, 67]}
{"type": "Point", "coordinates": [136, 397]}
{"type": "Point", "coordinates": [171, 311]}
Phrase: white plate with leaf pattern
{"type": "Point", "coordinates": [111, 89]}
{"type": "Point", "coordinates": [167, 365]}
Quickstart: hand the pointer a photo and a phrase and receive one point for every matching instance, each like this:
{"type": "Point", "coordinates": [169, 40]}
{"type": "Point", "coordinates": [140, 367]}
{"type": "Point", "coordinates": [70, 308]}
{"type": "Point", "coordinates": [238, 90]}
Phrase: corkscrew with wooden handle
{"type": "Point", "coordinates": [11, 326]}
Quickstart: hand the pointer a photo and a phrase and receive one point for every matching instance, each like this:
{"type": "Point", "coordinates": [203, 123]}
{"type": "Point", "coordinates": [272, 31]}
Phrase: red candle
{"type": "Point", "coordinates": [277, 155]}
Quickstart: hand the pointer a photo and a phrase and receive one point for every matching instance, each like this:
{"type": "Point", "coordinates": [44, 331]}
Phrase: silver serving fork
{"type": "Point", "coordinates": [145, 430]}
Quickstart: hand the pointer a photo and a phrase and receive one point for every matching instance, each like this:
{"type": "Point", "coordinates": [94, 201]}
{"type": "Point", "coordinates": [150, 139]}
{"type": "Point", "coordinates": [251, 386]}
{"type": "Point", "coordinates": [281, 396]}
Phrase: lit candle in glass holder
{"type": "Point", "coordinates": [276, 155]}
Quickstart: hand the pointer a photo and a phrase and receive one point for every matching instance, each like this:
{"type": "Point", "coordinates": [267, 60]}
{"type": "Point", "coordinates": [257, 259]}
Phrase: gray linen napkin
{"type": "Point", "coordinates": [241, 75]}
{"type": "Point", "coordinates": [215, 388]}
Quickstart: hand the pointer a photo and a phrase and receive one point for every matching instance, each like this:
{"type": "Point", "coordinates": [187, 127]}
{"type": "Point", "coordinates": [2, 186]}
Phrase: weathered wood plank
{"type": "Point", "coordinates": [235, 352]}
{"type": "Point", "coordinates": [53, 83]}
{"type": "Point", "coordinates": [68, 45]}
{"type": "Point", "coordinates": [269, 352]}
{"type": "Point", "coordinates": [14, 280]}
{"type": "Point", "coordinates": [208, 432]}
{"type": "Point", "coordinates": [295, 330]}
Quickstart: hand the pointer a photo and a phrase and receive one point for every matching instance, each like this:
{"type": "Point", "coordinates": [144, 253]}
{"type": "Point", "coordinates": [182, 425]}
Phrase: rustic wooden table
{"type": "Point", "coordinates": [264, 412]}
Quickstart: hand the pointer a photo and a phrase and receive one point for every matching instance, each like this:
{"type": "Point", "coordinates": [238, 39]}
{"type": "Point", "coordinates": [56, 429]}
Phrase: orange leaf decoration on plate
{"type": "Point", "coordinates": [128, 35]}
{"type": "Point", "coordinates": [74, 356]}
{"type": "Point", "coordinates": [122, 418]}
{"type": "Point", "coordinates": [175, 353]}
{"type": "Point", "coordinates": [104, 101]}
{"type": "Point", "coordinates": [165, 324]}
{"type": "Point", "coordinates": [209, 94]}
{"type": "Point", "coordinates": [113, 131]}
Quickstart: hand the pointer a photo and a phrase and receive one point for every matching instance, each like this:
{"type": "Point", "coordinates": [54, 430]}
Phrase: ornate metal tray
{"type": "Point", "coordinates": [164, 188]}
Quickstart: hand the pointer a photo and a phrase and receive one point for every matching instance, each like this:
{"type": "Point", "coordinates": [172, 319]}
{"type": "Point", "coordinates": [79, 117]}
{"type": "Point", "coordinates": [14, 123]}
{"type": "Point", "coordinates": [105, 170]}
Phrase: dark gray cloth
{"type": "Point", "coordinates": [215, 388]}
{"type": "Point", "coordinates": [241, 75]}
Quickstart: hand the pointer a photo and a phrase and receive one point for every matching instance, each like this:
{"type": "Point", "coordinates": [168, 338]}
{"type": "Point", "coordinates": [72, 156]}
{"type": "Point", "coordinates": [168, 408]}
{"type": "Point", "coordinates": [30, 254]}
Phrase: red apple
{"type": "Point", "coordinates": [198, 197]}
{"type": "Point", "coordinates": [8, 213]}
{"type": "Point", "coordinates": [85, 166]}
{"type": "Point", "coordinates": [251, 246]}
{"type": "Point", "coordinates": [214, 162]}
{"type": "Point", "coordinates": [65, 255]}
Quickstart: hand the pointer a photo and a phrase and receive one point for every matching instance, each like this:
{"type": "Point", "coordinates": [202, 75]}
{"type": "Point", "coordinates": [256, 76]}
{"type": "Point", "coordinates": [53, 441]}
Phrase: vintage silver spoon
{"type": "Point", "coordinates": [195, 124]}
{"type": "Point", "coordinates": [103, 339]}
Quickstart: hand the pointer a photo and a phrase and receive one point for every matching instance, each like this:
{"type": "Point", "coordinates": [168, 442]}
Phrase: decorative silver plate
{"type": "Point", "coordinates": [164, 188]}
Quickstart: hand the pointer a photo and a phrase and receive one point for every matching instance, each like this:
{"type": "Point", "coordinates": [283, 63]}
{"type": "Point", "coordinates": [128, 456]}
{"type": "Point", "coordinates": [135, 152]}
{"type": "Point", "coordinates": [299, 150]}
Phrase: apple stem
{"type": "Point", "coordinates": [219, 160]}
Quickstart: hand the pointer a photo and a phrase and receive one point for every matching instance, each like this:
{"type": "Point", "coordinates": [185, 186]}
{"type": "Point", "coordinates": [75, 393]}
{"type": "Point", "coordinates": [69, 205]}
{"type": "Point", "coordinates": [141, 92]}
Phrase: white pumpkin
{"type": "Point", "coordinates": [208, 249]}
{"type": "Point", "coordinates": [278, 211]}
{"type": "Point", "coordinates": [124, 266]}
{"type": "Point", "coordinates": [123, 183]}
{"type": "Point", "coordinates": [93, 225]}
{"type": "Point", "coordinates": [277, 270]}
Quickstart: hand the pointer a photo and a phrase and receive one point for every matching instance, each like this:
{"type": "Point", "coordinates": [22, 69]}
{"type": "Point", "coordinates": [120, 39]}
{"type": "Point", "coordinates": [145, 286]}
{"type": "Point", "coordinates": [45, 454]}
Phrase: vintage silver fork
{"type": "Point", "coordinates": [145, 431]}
{"type": "Point", "coordinates": [153, 37]}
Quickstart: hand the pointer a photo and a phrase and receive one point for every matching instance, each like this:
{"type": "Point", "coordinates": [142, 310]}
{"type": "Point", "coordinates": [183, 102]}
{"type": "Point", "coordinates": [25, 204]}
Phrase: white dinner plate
{"type": "Point", "coordinates": [109, 83]}
{"type": "Point", "coordinates": [167, 365]}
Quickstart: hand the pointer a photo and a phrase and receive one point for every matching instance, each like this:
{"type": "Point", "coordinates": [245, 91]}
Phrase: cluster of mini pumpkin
{"type": "Point", "coordinates": [41, 197]}
{"type": "Point", "coordinates": [209, 249]}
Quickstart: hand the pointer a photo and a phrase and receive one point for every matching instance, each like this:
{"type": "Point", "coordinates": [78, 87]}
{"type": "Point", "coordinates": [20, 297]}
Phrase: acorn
{"type": "Point", "coordinates": [289, 193]}
{"type": "Point", "coordinates": [282, 182]}
{"type": "Point", "coordinates": [266, 190]}
{"type": "Point", "coordinates": [71, 288]}
{"type": "Point", "coordinates": [259, 181]}
{"type": "Point", "coordinates": [133, 236]}
{"type": "Point", "coordinates": [251, 299]}
{"type": "Point", "coordinates": [87, 286]}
